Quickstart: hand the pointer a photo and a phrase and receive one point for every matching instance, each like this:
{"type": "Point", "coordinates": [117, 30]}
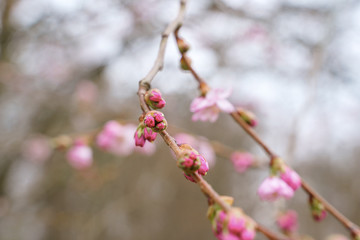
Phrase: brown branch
{"type": "Point", "coordinates": [159, 62]}
{"type": "Point", "coordinates": [353, 228]}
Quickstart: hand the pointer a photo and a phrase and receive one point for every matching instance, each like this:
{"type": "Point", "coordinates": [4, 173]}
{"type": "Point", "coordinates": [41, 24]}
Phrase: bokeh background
{"type": "Point", "coordinates": [69, 66]}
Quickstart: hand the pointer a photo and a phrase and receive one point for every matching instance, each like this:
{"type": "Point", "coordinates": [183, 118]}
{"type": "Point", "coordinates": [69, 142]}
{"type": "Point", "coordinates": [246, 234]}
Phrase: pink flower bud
{"type": "Point", "coordinates": [291, 178]}
{"type": "Point", "coordinates": [155, 120]}
{"type": "Point", "coordinates": [149, 134]}
{"type": "Point", "coordinates": [248, 117]}
{"type": "Point", "coordinates": [139, 136]}
{"type": "Point", "coordinates": [204, 167]}
{"type": "Point", "coordinates": [273, 188]}
{"type": "Point", "coordinates": [160, 104]}
{"type": "Point", "coordinates": [160, 126]}
{"type": "Point", "coordinates": [80, 156]}
{"type": "Point", "coordinates": [189, 162]}
{"type": "Point", "coordinates": [158, 116]}
{"type": "Point", "coordinates": [149, 121]}
{"type": "Point", "coordinates": [248, 234]}
{"type": "Point", "coordinates": [318, 210]}
{"type": "Point", "coordinates": [154, 99]}
{"type": "Point", "coordinates": [236, 224]}
{"type": "Point", "coordinates": [155, 95]}
{"type": "Point", "coordinates": [321, 216]}
{"type": "Point", "coordinates": [241, 161]}
{"type": "Point", "coordinates": [287, 221]}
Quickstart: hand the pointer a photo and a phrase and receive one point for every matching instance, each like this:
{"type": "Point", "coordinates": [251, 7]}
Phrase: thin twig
{"type": "Point", "coordinates": [159, 62]}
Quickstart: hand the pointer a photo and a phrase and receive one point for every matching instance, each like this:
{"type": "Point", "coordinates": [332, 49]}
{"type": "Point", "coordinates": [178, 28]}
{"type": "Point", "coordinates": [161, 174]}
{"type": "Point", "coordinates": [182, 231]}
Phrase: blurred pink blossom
{"type": "Point", "coordinates": [36, 149]}
{"type": "Point", "coordinates": [288, 221]}
{"type": "Point", "coordinates": [80, 156]}
{"type": "Point", "coordinates": [242, 161]}
{"type": "Point", "coordinates": [116, 138]}
{"type": "Point", "coordinates": [273, 188]}
{"type": "Point", "coordinates": [291, 178]}
{"type": "Point", "coordinates": [207, 108]}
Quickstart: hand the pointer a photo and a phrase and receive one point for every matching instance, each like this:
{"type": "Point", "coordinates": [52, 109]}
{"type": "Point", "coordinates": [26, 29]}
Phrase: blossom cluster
{"type": "Point", "coordinates": [191, 161]}
{"type": "Point", "coordinates": [233, 225]}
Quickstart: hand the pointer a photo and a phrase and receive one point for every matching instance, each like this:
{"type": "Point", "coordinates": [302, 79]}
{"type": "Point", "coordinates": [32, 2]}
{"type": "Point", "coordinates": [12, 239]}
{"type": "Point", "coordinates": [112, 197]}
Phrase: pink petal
{"type": "Point", "coordinates": [225, 106]}
{"type": "Point", "coordinates": [199, 103]}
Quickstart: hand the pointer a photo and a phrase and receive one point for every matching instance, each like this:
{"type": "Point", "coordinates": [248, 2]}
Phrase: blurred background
{"type": "Point", "coordinates": [69, 66]}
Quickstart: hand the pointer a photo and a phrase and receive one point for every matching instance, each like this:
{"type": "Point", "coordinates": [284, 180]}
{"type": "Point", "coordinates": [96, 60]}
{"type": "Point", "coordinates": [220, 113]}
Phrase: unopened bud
{"type": "Point", "coordinates": [154, 99]}
{"type": "Point", "coordinates": [182, 45]}
{"type": "Point", "coordinates": [156, 121]}
{"type": "Point", "coordinates": [185, 63]}
{"type": "Point", "coordinates": [248, 117]}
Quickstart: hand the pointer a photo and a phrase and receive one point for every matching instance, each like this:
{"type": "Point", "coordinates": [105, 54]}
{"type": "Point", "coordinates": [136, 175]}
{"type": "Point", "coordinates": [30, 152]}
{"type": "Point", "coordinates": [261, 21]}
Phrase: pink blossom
{"type": "Point", "coordinates": [273, 188]}
{"type": "Point", "coordinates": [248, 234]}
{"type": "Point", "coordinates": [80, 156]}
{"type": "Point", "coordinates": [291, 178]}
{"type": "Point", "coordinates": [208, 107]}
{"type": "Point", "coordinates": [241, 161]}
{"type": "Point", "coordinates": [288, 221]}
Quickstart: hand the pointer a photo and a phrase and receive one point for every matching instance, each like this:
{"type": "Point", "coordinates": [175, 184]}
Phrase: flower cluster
{"type": "Point", "coordinates": [191, 161]}
{"type": "Point", "coordinates": [277, 186]}
{"type": "Point", "coordinates": [154, 99]}
{"type": "Point", "coordinates": [201, 144]}
{"type": "Point", "coordinates": [241, 161]}
{"type": "Point", "coordinates": [318, 210]}
{"type": "Point", "coordinates": [234, 225]}
{"type": "Point", "coordinates": [287, 221]}
{"type": "Point", "coordinates": [248, 117]}
{"type": "Point", "coordinates": [80, 155]}
{"type": "Point", "coordinates": [207, 108]}
{"type": "Point", "coordinates": [155, 120]}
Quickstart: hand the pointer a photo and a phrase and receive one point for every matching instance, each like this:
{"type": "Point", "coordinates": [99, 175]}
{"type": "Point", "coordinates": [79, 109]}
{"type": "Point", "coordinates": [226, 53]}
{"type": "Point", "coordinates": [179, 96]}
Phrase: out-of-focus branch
{"type": "Point", "coordinates": [6, 28]}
